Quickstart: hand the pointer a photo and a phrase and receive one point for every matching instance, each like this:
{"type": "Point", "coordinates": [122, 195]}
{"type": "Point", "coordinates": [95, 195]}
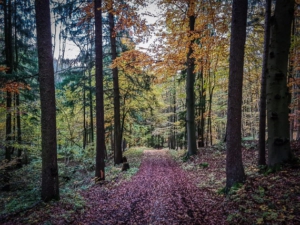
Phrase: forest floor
{"type": "Point", "coordinates": [160, 193]}
{"type": "Point", "coordinates": [168, 189]}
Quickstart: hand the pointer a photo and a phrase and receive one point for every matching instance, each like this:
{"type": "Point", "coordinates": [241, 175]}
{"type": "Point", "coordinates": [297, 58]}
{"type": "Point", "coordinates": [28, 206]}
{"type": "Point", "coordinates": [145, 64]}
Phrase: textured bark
{"type": "Point", "coordinates": [190, 95]}
{"type": "Point", "coordinates": [91, 130]}
{"type": "Point", "coordinates": [8, 148]}
{"type": "Point", "coordinates": [209, 139]}
{"type": "Point", "coordinates": [19, 137]}
{"type": "Point", "coordinates": [117, 122]}
{"type": "Point", "coordinates": [262, 103]}
{"type": "Point", "coordinates": [278, 101]}
{"type": "Point", "coordinates": [9, 63]}
{"type": "Point", "coordinates": [50, 184]}
{"type": "Point", "coordinates": [84, 144]}
{"type": "Point", "coordinates": [234, 165]}
{"type": "Point", "coordinates": [100, 135]}
{"type": "Point", "coordinates": [201, 110]}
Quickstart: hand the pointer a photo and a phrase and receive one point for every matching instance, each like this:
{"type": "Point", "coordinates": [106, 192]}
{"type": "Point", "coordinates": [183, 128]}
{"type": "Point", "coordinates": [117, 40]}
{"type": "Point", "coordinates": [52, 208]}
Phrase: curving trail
{"type": "Point", "coordinates": [160, 193]}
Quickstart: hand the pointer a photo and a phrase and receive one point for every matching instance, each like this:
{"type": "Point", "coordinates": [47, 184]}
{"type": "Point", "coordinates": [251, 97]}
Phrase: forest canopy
{"type": "Point", "coordinates": [82, 82]}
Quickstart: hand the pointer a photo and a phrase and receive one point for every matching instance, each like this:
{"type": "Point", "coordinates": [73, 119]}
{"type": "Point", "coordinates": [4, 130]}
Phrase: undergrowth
{"type": "Point", "coordinates": [76, 173]}
{"type": "Point", "coordinates": [270, 195]}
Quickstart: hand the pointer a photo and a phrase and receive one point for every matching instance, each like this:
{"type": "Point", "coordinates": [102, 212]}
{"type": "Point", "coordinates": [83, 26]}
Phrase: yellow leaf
{"type": "Point", "coordinates": [260, 220]}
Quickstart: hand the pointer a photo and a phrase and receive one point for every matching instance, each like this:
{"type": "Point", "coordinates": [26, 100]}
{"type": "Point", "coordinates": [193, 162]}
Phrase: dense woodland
{"type": "Point", "coordinates": [87, 85]}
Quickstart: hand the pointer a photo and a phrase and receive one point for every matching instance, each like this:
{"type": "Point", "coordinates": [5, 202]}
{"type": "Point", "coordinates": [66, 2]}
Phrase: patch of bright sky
{"type": "Point", "coordinates": [153, 9]}
{"type": "Point", "coordinates": [72, 51]}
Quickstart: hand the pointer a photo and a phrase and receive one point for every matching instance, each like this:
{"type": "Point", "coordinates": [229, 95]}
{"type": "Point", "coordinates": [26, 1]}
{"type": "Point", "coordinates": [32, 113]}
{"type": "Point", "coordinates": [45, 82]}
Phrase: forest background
{"type": "Point", "coordinates": [153, 81]}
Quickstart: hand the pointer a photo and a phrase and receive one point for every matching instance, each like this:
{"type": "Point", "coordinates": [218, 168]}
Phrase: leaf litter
{"type": "Point", "coordinates": [160, 193]}
{"type": "Point", "coordinates": [170, 190]}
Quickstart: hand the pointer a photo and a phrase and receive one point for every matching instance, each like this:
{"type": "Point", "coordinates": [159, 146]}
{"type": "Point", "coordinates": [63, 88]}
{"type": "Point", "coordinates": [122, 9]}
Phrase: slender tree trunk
{"type": "Point", "coordinates": [19, 133]}
{"type": "Point", "coordinates": [262, 104]}
{"type": "Point", "coordinates": [91, 108]}
{"type": "Point", "coordinates": [10, 64]}
{"type": "Point", "coordinates": [173, 145]}
{"type": "Point", "coordinates": [8, 148]}
{"type": "Point", "coordinates": [279, 149]}
{"type": "Point", "coordinates": [84, 117]}
{"type": "Point", "coordinates": [112, 139]}
{"type": "Point", "coordinates": [209, 128]}
{"type": "Point", "coordinates": [100, 144]}
{"type": "Point", "coordinates": [234, 164]}
{"type": "Point", "coordinates": [201, 103]}
{"type": "Point", "coordinates": [298, 121]}
{"type": "Point", "coordinates": [293, 88]}
{"type": "Point", "coordinates": [190, 95]}
{"type": "Point", "coordinates": [13, 136]}
{"type": "Point", "coordinates": [50, 183]}
{"type": "Point", "coordinates": [117, 123]}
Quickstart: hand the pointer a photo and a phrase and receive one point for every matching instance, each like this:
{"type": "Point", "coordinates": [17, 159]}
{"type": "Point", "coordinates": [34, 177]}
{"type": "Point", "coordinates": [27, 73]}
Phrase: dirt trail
{"type": "Point", "coordinates": [160, 193]}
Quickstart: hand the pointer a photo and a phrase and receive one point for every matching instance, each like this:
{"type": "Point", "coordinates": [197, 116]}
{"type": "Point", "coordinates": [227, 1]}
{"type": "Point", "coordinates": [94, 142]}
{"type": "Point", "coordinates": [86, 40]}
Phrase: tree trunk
{"type": "Point", "coordinates": [9, 63]}
{"type": "Point", "coordinates": [234, 164]}
{"type": "Point", "coordinates": [209, 127]}
{"type": "Point", "coordinates": [262, 104]}
{"type": "Point", "coordinates": [279, 149]}
{"type": "Point", "coordinates": [117, 123]}
{"type": "Point", "coordinates": [291, 79]}
{"type": "Point", "coordinates": [190, 95]}
{"type": "Point", "coordinates": [174, 115]}
{"type": "Point", "coordinates": [50, 183]}
{"type": "Point", "coordinates": [19, 137]}
{"type": "Point", "coordinates": [100, 143]}
{"type": "Point", "coordinates": [201, 103]}
{"type": "Point", "coordinates": [8, 148]}
{"type": "Point", "coordinates": [91, 131]}
{"type": "Point", "coordinates": [84, 118]}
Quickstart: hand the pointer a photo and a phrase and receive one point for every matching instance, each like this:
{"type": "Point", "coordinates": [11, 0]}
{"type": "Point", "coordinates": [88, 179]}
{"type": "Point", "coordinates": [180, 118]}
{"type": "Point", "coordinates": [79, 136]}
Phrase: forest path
{"type": "Point", "coordinates": [160, 193]}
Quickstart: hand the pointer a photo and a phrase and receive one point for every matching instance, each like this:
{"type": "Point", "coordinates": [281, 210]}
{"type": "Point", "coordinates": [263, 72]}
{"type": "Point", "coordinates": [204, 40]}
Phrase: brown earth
{"type": "Point", "coordinates": [160, 193]}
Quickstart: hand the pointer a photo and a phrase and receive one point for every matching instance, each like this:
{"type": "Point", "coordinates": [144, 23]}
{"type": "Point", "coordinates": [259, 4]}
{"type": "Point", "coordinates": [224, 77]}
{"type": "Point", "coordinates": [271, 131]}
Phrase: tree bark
{"type": "Point", "coordinates": [262, 103]}
{"type": "Point", "coordinates": [117, 122]}
{"type": "Point", "coordinates": [50, 183]}
{"type": "Point", "coordinates": [100, 138]}
{"type": "Point", "coordinates": [91, 130]}
{"type": "Point", "coordinates": [9, 63]}
{"type": "Point", "coordinates": [234, 164]}
{"type": "Point", "coordinates": [8, 148]}
{"type": "Point", "coordinates": [278, 101]}
{"type": "Point", "coordinates": [84, 115]}
{"type": "Point", "coordinates": [19, 137]}
{"type": "Point", "coordinates": [190, 95]}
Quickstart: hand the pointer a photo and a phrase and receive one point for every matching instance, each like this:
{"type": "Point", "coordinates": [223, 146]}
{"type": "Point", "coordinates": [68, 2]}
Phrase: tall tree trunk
{"type": "Point", "coordinates": [234, 164]}
{"type": "Point", "coordinates": [262, 103]}
{"type": "Point", "coordinates": [13, 137]}
{"type": "Point", "coordinates": [190, 95]}
{"type": "Point", "coordinates": [209, 128]}
{"type": "Point", "coordinates": [19, 137]}
{"type": "Point", "coordinates": [91, 131]}
{"type": "Point", "coordinates": [201, 105]}
{"type": "Point", "coordinates": [294, 87]}
{"type": "Point", "coordinates": [84, 117]}
{"type": "Point", "coordinates": [117, 123]}
{"type": "Point", "coordinates": [279, 149]}
{"type": "Point", "coordinates": [8, 148]}
{"type": "Point", "coordinates": [100, 143]}
{"type": "Point", "coordinates": [9, 64]}
{"type": "Point", "coordinates": [50, 183]}
{"type": "Point", "coordinates": [173, 141]}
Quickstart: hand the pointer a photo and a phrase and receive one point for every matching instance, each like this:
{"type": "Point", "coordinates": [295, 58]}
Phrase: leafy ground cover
{"type": "Point", "coordinates": [22, 204]}
{"type": "Point", "coordinates": [166, 189]}
{"type": "Point", "coordinates": [267, 197]}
